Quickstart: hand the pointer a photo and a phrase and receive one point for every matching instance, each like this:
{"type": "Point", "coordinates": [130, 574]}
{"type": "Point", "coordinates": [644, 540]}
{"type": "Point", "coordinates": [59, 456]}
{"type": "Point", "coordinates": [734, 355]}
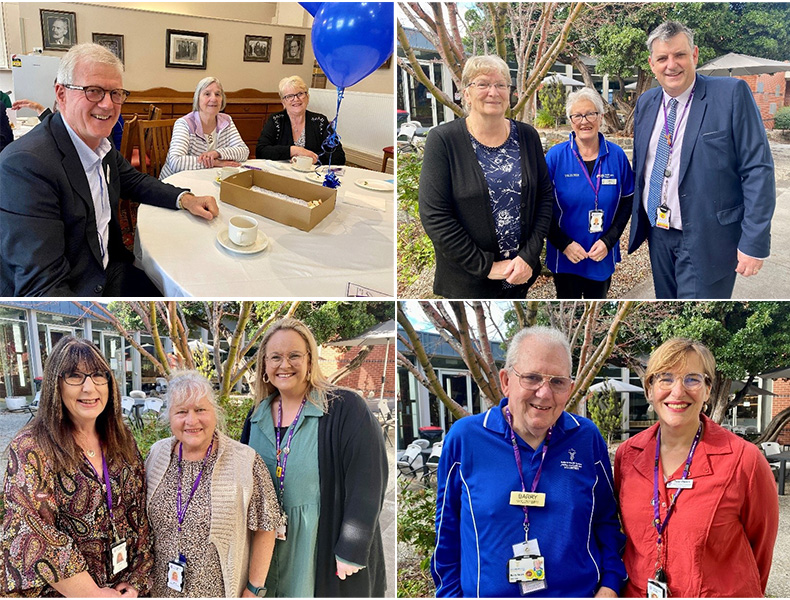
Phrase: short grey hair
{"type": "Point", "coordinates": [93, 53]}
{"type": "Point", "coordinates": [189, 387]}
{"type": "Point", "coordinates": [488, 63]}
{"type": "Point", "coordinates": [293, 81]}
{"type": "Point", "coordinates": [666, 31]}
{"type": "Point", "coordinates": [538, 334]}
{"type": "Point", "coordinates": [202, 85]}
{"type": "Point", "coordinates": [584, 94]}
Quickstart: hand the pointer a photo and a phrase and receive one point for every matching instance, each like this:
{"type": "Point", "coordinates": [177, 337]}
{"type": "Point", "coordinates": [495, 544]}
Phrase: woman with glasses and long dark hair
{"type": "Point", "coordinates": [75, 521]}
{"type": "Point", "coordinates": [698, 503]}
{"type": "Point", "coordinates": [295, 131]}
{"type": "Point", "coordinates": [325, 453]}
{"type": "Point", "coordinates": [485, 193]}
{"type": "Point", "coordinates": [593, 193]}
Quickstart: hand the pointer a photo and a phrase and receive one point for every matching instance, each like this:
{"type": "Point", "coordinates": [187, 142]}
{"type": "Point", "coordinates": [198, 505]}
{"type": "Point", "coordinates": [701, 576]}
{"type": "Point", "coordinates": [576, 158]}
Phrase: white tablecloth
{"type": "Point", "coordinates": [354, 246]}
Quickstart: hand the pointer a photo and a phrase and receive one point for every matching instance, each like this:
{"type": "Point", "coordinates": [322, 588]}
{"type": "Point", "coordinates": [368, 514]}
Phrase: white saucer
{"type": "Point", "coordinates": [315, 177]}
{"type": "Point", "coordinates": [309, 170]}
{"type": "Point", "coordinates": [260, 243]}
{"type": "Point", "coordinates": [376, 185]}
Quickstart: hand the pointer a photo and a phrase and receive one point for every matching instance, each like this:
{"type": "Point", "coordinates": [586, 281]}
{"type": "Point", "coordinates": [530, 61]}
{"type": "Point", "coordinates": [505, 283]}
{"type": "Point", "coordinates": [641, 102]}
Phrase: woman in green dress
{"type": "Point", "coordinates": [325, 451]}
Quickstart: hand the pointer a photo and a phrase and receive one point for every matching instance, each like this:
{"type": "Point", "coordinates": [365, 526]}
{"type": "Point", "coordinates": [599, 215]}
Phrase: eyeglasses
{"type": "Point", "coordinates": [534, 381]}
{"type": "Point", "coordinates": [690, 381]}
{"type": "Point", "coordinates": [484, 86]}
{"type": "Point", "coordinates": [78, 378]}
{"type": "Point", "coordinates": [96, 94]}
{"type": "Point", "coordinates": [294, 358]}
{"type": "Point", "coordinates": [589, 117]}
{"type": "Point", "coordinates": [296, 96]}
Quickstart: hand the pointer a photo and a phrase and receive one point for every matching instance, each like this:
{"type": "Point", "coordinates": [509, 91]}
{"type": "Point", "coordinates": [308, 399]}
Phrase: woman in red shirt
{"type": "Point", "coordinates": [698, 504]}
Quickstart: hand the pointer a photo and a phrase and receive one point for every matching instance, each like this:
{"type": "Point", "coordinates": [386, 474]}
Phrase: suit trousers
{"type": "Point", "coordinates": [674, 274]}
{"type": "Point", "coordinates": [124, 280]}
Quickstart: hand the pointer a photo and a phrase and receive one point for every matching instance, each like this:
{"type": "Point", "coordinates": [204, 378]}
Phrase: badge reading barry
{"type": "Point", "coordinates": [527, 499]}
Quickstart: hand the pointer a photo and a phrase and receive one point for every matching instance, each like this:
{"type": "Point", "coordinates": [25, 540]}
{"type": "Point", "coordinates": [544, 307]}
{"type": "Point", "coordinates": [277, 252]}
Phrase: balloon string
{"type": "Point", "coordinates": [331, 142]}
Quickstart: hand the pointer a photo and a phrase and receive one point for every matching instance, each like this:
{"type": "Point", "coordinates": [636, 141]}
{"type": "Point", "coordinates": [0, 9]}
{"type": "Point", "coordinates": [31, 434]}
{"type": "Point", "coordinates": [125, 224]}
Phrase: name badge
{"type": "Point", "coordinates": [527, 499]}
{"type": "Point", "coordinates": [662, 217]}
{"type": "Point", "coordinates": [119, 557]}
{"type": "Point", "coordinates": [529, 549]}
{"type": "Point", "coordinates": [680, 484]}
{"type": "Point", "coordinates": [608, 181]}
{"type": "Point", "coordinates": [526, 568]}
{"type": "Point", "coordinates": [595, 224]}
{"type": "Point", "coordinates": [176, 571]}
{"type": "Point", "coordinates": [657, 589]}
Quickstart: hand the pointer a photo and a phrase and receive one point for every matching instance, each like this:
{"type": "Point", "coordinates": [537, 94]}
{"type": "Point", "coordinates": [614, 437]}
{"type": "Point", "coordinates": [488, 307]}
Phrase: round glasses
{"type": "Point", "coordinates": [534, 381]}
{"type": "Point", "coordinates": [579, 117]}
{"type": "Point", "coordinates": [294, 358]}
{"type": "Point", "coordinates": [78, 378]}
{"type": "Point", "coordinates": [690, 381]}
{"type": "Point", "coordinates": [96, 94]}
{"type": "Point", "coordinates": [296, 96]}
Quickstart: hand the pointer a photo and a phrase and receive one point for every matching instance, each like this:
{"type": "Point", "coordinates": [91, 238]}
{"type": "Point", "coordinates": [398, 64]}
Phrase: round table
{"type": "Point", "coordinates": [350, 253]}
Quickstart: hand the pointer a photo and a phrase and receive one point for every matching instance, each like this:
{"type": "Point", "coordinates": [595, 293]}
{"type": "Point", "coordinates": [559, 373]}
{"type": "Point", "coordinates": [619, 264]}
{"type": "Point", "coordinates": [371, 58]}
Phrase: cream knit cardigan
{"type": "Point", "coordinates": [231, 492]}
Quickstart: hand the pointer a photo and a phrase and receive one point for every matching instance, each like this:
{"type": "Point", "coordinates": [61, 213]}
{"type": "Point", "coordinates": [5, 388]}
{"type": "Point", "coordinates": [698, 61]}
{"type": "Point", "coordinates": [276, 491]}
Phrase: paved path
{"type": "Point", "coordinates": [773, 281]}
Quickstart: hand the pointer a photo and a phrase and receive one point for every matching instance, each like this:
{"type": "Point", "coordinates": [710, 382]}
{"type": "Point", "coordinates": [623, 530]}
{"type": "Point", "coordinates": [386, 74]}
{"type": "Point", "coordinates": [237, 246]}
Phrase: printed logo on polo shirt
{"type": "Point", "coordinates": [572, 175]}
{"type": "Point", "coordinates": [571, 464]}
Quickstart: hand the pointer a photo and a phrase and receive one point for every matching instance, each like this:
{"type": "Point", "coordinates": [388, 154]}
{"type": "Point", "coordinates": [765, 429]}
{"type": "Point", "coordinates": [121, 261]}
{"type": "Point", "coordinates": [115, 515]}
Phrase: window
{"type": "Point", "coordinates": [772, 109]}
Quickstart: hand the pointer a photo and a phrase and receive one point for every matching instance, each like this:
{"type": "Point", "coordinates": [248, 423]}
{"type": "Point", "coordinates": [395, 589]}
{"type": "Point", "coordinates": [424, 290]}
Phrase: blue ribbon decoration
{"type": "Point", "coordinates": [331, 142]}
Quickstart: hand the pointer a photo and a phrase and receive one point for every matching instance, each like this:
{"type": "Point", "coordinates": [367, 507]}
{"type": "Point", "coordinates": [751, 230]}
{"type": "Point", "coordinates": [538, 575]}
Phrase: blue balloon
{"type": "Point", "coordinates": [311, 7]}
{"type": "Point", "coordinates": [353, 39]}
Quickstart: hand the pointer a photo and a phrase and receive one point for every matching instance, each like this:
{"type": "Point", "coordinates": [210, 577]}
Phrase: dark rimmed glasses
{"type": "Point", "coordinates": [96, 94]}
{"type": "Point", "coordinates": [296, 96]}
{"type": "Point", "coordinates": [589, 117]}
{"type": "Point", "coordinates": [534, 381]}
{"type": "Point", "coordinates": [78, 378]}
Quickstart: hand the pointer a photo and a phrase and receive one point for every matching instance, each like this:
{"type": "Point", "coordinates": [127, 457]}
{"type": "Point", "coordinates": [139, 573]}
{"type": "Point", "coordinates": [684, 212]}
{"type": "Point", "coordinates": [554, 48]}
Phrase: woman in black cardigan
{"type": "Point", "coordinates": [296, 131]}
{"type": "Point", "coordinates": [485, 193]}
{"type": "Point", "coordinates": [351, 471]}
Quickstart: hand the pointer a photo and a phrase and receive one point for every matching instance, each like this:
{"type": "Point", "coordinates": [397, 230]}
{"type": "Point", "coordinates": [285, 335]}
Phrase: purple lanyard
{"type": "Point", "coordinates": [517, 454]}
{"type": "Point", "coordinates": [181, 508]}
{"type": "Point", "coordinates": [671, 136]}
{"type": "Point", "coordinates": [282, 453]}
{"type": "Point", "coordinates": [107, 488]}
{"type": "Point", "coordinates": [595, 188]}
{"type": "Point", "coordinates": [659, 525]}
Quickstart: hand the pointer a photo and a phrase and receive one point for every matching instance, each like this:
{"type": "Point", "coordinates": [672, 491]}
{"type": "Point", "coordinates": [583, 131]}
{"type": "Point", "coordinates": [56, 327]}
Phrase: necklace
{"type": "Point", "coordinates": [90, 453]}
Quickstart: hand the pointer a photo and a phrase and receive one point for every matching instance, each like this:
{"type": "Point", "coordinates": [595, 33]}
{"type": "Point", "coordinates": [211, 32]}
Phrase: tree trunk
{"type": "Point", "coordinates": [775, 427]}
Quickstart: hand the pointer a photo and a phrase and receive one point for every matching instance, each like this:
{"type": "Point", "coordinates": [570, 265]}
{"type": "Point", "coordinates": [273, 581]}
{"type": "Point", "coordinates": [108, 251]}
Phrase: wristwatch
{"type": "Point", "coordinates": [258, 591]}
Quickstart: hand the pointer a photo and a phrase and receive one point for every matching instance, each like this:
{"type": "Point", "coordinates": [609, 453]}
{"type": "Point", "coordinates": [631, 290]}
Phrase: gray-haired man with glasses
{"type": "Point", "coordinates": [61, 183]}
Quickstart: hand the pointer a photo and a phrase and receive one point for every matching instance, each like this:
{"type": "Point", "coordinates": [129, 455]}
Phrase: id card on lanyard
{"type": "Point", "coordinates": [595, 216]}
{"type": "Point", "coordinates": [527, 567]}
{"type": "Point", "coordinates": [119, 558]}
{"type": "Point", "coordinates": [282, 460]}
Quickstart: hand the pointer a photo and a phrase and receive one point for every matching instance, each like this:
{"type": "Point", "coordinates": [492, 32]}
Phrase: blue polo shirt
{"type": "Point", "coordinates": [574, 199]}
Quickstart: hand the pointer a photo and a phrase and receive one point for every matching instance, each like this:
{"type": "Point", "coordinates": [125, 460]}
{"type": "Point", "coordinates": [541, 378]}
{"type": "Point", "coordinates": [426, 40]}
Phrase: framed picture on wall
{"type": "Point", "coordinates": [113, 42]}
{"type": "Point", "coordinates": [257, 48]}
{"type": "Point", "coordinates": [293, 49]}
{"type": "Point", "coordinates": [58, 29]}
{"type": "Point", "coordinates": [186, 49]}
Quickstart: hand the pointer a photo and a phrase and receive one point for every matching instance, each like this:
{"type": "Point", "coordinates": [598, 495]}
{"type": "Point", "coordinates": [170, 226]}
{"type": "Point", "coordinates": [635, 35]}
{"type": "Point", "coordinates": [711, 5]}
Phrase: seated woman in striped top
{"type": "Point", "coordinates": [206, 137]}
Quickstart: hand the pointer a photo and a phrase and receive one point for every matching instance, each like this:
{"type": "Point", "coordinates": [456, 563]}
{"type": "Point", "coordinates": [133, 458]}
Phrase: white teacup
{"type": "Point", "coordinates": [243, 231]}
{"type": "Point", "coordinates": [226, 172]}
{"type": "Point", "coordinates": [301, 162]}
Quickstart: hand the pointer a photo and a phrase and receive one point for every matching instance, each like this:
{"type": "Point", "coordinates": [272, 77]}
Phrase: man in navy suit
{"type": "Point", "coordinates": [705, 190]}
{"type": "Point", "coordinates": [59, 231]}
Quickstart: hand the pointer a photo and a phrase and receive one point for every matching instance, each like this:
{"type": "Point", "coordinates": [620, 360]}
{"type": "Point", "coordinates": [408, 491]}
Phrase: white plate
{"type": "Point", "coordinates": [260, 243]}
{"type": "Point", "coordinates": [376, 185]}
{"type": "Point", "coordinates": [315, 177]}
{"type": "Point", "coordinates": [308, 170]}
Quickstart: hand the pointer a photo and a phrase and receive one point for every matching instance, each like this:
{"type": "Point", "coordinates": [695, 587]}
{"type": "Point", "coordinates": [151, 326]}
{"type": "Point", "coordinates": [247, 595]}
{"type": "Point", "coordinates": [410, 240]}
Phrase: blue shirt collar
{"type": "Point", "coordinates": [495, 421]}
{"type": "Point", "coordinates": [88, 156]}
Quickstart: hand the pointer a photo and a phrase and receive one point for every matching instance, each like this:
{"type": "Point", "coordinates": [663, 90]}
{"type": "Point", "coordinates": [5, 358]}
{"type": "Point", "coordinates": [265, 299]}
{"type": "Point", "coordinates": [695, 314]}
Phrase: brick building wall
{"type": "Point", "coordinates": [780, 402]}
{"type": "Point", "coordinates": [367, 378]}
{"type": "Point", "coordinates": [770, 92]}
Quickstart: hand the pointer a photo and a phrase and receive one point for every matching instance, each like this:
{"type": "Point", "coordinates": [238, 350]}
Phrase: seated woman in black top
{"type": "Point", "coordinates": [296, 131]}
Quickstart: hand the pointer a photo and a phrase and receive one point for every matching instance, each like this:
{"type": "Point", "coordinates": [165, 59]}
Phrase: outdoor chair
{"type": "Point", "coordinates": [410, 463]}
{"type": "Point", "coordinates": [19, 404]}
{"type": "Point", "coordinates": [432, 464]}
{"type": "Point", "coordinates": [386, 419]}
{"type": "Point", "coordinates": [423, 444]}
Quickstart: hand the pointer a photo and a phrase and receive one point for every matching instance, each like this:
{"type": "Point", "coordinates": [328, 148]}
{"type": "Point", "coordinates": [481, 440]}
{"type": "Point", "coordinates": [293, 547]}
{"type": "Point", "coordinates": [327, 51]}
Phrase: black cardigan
{"type": "Point", "coordinates": [455, 209]}
{"type": "Point", "coordinates": [352, 468]}
{"type": "Point", "coordinates": [277, 138]}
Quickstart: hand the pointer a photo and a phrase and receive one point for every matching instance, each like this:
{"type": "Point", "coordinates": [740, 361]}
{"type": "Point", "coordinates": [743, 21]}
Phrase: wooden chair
{"type": "Point", "coordinates": [154, 112]}
{"type": "Point", "coordinates": [389, 152]}
{"type": "Point", "coordinates": [128, 138]}
{"type": "Point", "coordinates": [154, 142]}
{"type": "Point", "coordinates": [127, 209]}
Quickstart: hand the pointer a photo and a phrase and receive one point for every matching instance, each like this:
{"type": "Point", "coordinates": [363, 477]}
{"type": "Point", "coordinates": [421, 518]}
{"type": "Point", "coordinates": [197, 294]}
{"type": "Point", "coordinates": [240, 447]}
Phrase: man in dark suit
{"type": "Point", "coordinates": [59, 231]}
{"type": "Point", "coordinates": [705, 191]}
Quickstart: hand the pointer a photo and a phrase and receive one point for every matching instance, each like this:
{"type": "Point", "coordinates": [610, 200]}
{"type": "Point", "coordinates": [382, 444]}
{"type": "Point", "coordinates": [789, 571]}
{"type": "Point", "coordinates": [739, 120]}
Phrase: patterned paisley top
{"type": "Point", "coordinates": [58, 525]}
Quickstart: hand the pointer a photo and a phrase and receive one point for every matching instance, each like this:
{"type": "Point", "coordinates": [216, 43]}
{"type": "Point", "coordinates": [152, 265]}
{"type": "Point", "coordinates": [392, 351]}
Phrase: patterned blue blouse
{"type": "Point", "coordinates": [502, 169]}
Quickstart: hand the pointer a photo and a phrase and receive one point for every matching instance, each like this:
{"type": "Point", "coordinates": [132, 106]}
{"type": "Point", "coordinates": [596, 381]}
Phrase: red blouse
{"type": "Point", "coordinates": [720, 537]}
{"type": "Point", "coordinates": [57, 525]}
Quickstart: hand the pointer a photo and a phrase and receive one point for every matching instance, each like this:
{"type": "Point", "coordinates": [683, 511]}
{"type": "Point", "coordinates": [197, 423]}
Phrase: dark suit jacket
{"type": "Point", "coordinates": [455, 209]}
{"type": "Point", "coordinates": [277, 138]}
{"type": "Point", "coordinates": [48, 239]}
{"type": "Point", "coordinates": [726, 187]}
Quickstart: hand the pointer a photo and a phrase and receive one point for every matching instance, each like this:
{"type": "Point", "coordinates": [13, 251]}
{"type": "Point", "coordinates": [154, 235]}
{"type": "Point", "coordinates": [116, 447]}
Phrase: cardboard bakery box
{"type": "Point", "coordinates": [236, 190]}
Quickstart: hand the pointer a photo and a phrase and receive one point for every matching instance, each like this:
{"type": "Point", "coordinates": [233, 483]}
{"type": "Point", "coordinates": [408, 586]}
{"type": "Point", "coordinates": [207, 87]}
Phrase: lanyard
{"type": "Point", "coordinates": [282, 453]}
{"type": "Point", "coordinates": [659, 525]}
{"type": "Point", "coordinates": [181, 508]}
{"type": "Point", "coordinates": [671, 136]}
{"type": "Point", "coordinates": [107, 488]}
{"type": "Point", "coordinates": [517, 454]}
{"type": "Point", "coordinates": [595, 188]}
